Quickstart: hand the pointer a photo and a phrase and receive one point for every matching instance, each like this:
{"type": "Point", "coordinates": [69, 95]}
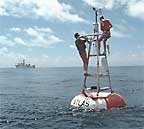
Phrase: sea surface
{"type": "Point", "coordinates": [40, 99]}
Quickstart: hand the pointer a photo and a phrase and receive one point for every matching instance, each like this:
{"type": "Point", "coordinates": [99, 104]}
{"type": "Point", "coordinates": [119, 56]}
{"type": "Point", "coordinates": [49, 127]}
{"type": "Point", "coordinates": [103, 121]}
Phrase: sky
{"type": "Point", "coordinates": [41, 31]}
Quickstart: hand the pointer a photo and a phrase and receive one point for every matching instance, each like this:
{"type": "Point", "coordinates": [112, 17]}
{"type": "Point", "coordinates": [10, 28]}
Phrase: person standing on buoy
{"type": "Point", "coordinates": [105, 26]}
{"type": "Point", "coordinates": [81, 47]}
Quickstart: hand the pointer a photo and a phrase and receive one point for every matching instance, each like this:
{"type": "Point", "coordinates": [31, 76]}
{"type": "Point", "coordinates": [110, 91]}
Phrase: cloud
{"type": "Point", "coordinates": [19, 41]}
{"type": "Point", "coordinates": [45, 56]}
{"type": "Point", "coordinates": [6, 41]}
{"type": "Point", "coordinates": [46, 9]}
{"type": "Point", "coordinates": [108, 4]}
{"type": "Point", "coordinates": [3, 50]}
{"type": "Point", "coordinates": [16, 8]}
{"type": "Point", "coordinates": [136, 9]}
{"type": "Point", "coordinates": [118, 34]}
{"type": "Point", "coordinates": [30, 37]}
{"type": "Point", "coordinates": [2, 8]}
{"type": "Point", "coordinates": [55, 9]}
{"type": "Point", "coordinates": [120, 31]}
{"type": "Point", "coordinates": [47, 30]}
{"type": "Point", "coordinates": [16, 29]}
{"type": "Point", "coordinates": [32, 32]}
{"type": "Point", "coordinates": [42, 37]}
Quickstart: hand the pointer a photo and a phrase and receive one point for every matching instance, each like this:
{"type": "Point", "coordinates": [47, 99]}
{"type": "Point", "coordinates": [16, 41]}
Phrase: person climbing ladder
{"type": "Point", "coordinates": [80, 44]}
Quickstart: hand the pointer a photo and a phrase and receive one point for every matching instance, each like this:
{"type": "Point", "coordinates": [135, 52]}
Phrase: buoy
{"type": "Point", "coordinates": [104, 100]}
{"type": "Point", "coordinates": [98, 95]}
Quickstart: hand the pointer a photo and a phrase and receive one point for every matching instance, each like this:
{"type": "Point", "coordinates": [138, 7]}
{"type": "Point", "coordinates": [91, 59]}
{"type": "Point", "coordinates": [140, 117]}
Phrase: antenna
{"type": "Point", "coordinates": [97, 12]}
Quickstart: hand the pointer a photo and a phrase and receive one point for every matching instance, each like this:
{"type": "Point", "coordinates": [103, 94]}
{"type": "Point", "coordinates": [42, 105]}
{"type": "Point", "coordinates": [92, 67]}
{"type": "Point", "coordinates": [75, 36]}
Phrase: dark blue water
{"type": "Point", "coordinates": [40, 99]}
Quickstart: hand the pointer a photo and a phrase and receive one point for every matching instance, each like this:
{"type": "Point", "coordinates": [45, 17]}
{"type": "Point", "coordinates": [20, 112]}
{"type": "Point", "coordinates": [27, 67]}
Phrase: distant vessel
{"type": "Point", "coordinates": [24, 65]}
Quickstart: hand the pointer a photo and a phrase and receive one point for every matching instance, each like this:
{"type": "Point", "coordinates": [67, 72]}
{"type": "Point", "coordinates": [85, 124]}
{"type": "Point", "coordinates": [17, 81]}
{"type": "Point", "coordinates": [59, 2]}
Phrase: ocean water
{"type": "Point", "coordinates": [40, 99]}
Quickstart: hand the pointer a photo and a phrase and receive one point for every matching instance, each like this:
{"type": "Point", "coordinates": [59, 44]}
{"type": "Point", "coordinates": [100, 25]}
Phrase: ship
{"type": "Point", "coordinates": [24, 65]}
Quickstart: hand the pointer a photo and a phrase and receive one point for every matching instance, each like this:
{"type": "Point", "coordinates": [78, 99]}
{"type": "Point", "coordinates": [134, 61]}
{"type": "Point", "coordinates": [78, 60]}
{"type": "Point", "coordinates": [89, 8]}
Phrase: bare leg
{"type": "Point", "coordinates": [85, 66]}
{"type": "Point", "coordinates": [84, 59]}
{"type": "Point", "coordinates": [104, 43]}
{"type": "Point", "coordinates": [99, 42]}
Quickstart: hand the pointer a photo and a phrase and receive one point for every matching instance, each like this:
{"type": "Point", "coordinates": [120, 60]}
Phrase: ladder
{"type": "Point", "coordinates": [93, 43]}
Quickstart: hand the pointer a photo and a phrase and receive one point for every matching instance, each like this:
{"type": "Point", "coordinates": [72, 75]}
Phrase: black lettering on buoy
{"type": "Point", "coordinates": [81, 104]}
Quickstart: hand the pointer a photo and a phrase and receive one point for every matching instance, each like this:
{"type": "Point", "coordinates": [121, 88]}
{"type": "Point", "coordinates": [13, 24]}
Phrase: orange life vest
{"type": "Point", "coordinates": [105, 25]}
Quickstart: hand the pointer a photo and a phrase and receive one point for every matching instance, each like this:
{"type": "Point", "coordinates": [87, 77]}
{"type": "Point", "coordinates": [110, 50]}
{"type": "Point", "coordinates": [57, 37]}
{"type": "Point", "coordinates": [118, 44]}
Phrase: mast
{"type": "Point", "coordinates": [96, 31]}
